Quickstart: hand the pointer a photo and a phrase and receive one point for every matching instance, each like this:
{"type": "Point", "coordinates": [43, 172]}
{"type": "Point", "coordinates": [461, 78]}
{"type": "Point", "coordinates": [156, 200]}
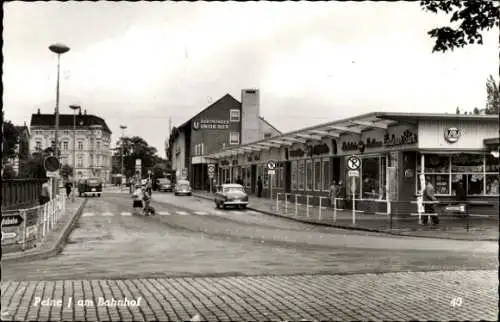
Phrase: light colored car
{"type": "Point", "coordinates": [182, 187]}
{"type": "Point", "coordinates": [231, 195]}
{"type": "Point", "coordinates": [164, 184]}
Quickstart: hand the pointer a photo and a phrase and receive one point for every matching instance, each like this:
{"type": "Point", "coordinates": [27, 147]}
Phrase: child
{"type": "Point", "coordinates": [146, 196]}
{"type": "Point", "coordinates": [137, 197]}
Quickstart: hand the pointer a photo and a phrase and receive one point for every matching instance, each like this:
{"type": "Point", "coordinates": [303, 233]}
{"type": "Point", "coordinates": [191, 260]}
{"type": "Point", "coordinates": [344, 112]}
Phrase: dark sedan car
{"type": "Point", "coordinates": [164, 184]}
{"type": "Point", "coordinates": [231, 195]}
{"type": "Point", "coordinates": [90, 186]}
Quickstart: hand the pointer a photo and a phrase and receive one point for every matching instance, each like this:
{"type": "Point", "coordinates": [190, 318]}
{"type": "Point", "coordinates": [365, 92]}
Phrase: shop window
{"type": "Point", "coordinates": [234, 115]}
{"type": "Point", "coordinates": [309, 175]}
{"type": "Point", "coordinates": [475, 184]}
{"type": "Point", "coordinates": [293, 170]}
{"type": "Point", "coordinates": [435, 163]}
{"type": "Point", "coordinates": [279, 176]}
{"type": "Point", "coordinates": [370, 175]}
{"type": "Point", "coordinates": [317, 175]}
{"type": "Point", "coordinates": [492, 181]}
{"type": "Point", "coordinates": [265, 176]}
{"type": "Point", "coordinates": [248, 181]}
{"type": "Point", "coordinates": [301, 174]}
{"type": "Point", "coordinates": [326, 174]}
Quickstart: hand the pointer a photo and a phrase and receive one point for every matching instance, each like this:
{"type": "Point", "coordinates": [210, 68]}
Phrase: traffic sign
{"type": "Point", "coordinates": [210, 175]}
{"type": "Point", "coordinates": [211, 168]}
{"type": "Point", "coordinates": [271, 165]}
{"type": "Point", "coordinates": [12, 220]}
{"type": "Point", "coordinates": [8, 235]}
{"type": "Point", "coordinates": [271, 171]}
{"type": "Point", "coordinates": [137, 162]}
{"type": "Point", "coordinates": [51, 164]}
{"type": "Point", "coordinates": [52, 174]}
{"type": "Point", "coordinates": [149, 171]}
{"type": "Point", "coordinates": [353, 173]}
{"type": "Point", "coordinates": [353, 163]}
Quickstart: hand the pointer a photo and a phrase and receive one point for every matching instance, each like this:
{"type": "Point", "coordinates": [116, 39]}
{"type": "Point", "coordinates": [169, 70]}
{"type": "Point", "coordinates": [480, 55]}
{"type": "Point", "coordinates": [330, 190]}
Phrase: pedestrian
{"type": "Point", "coordinates": [333, 193]}
{"type": "Point", "coordinates": [461, 196]}
{"type": "Point", "coordinates": [69, 187]}
{"type": "Point", "coordinates": [137, 196]}
{"type": "Point", "coordinates": [259, 187]}
{"type": "Point", "coordinates": [428, 198]}
{"type": "Point", "coordinates": [45, 193]}
{"type": "Point", "coordinates": [146, 197]}
{"type": "Point", "coordinates": [341, 194]}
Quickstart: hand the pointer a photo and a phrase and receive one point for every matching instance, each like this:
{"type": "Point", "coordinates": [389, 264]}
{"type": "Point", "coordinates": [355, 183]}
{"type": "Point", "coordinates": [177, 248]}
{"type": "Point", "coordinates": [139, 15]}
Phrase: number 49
{"type": "Point", "coordinates": [456, 301]}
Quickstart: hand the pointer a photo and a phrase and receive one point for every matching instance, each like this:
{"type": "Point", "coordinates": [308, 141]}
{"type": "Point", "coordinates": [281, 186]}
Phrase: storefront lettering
{"type": "Point", "coordinates": [318, 149]}
{"type": "Point", "coordinates": [360, 145]}
{"type": "Point", "coordinates": [351, 146]}
{"type": "Point", "coordinates": [211, 124]}
{"type": "Point", "coordinates": [406, 138]}
{"type": "Point", "coordinates": [297, 153]}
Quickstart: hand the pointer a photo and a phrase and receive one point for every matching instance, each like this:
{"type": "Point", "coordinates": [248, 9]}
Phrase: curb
{"type": "Point", "coordinates": [59, 244]}
{"type": "Point", "coordinates": [353, 228]}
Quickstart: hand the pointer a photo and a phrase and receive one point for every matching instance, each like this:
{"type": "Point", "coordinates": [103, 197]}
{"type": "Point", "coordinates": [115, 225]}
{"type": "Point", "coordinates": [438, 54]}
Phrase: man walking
{"type": "Point", "coordinates": [428, 197]}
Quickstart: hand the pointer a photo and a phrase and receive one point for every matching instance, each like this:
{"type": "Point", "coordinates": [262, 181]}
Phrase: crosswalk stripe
{"type": "Point", "coordinates": [163, 213]}
{"type": "Point", "coordinates": [218, 213]}
{"type": "Point", "coordinates": [88, 214]}
{"type": "Point", "coordinates": [182, 213]}
{"type": "Point", "coordinates": [236, 212]}
{"type": "Point", "coordinates": [107, 214]}
{"type": "Point", "coordinates": [126, 214]}
{"type": "Point", "coordinates": [201, 213]}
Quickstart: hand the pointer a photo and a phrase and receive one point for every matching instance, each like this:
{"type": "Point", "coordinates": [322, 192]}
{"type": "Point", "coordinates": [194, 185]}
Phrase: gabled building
{"type": "Point", "coordinates": [92, 142]}
{"type": "Point", "coordinates": [224, 124]}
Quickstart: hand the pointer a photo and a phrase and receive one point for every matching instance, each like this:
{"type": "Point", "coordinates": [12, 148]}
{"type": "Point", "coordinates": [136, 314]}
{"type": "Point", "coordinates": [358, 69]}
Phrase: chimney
{"type": "Point", "coordinates": [84, 112]}
{"type": "Point", "coordinates": [250, 113]}
{"type": "Point", "coordinates": [38, 111]}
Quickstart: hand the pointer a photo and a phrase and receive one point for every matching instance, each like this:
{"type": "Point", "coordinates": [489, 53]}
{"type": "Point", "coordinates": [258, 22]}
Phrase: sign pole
{"type": "Point", "coordinates": [353, 190]}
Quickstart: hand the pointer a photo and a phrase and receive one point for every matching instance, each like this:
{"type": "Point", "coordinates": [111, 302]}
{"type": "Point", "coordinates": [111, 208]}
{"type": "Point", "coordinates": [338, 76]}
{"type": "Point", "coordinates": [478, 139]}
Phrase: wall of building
{"type": "Point", "coordinates": [251, 125]}
{"type": "Point", "coordinates": [267, 131]}
{"type": "Point", "coordinates": [179, 153]}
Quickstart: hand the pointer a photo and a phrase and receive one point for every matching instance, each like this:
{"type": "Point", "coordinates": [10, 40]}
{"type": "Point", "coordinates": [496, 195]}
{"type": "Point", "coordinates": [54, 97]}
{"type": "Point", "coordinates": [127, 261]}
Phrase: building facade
{"type": "Point", "coordinates": [224, 124]}
{"type": "Point", "coordinates": [394, 150]}
{"type": "Point", "coordinates": [92, 142]}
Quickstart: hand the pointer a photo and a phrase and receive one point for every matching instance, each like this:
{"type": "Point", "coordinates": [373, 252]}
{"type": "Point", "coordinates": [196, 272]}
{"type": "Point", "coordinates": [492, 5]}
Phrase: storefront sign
{"type": "Point", "coordinates": [452, 134]}
{"type": "Point", "coordinates": [297, 153]}
{"type": "Point", "coordinates": [8, 221]}
{"type": "Point", "coordinates": [318, 149]}
{"type": "Point", "coordinates": [211, 124]}
{"type": "Point", "coordinates": [408, 137]}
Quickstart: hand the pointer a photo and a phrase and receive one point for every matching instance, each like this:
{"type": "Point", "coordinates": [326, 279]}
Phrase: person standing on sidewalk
{"type": "Point", "coordinates": [45, 193]}
{"type": "Point", "coordinates": [69, 187]}
{"type": "Point", "coordinates": [333, 193]}
{"type": "Point", "coordinates": [428, 206]}
{"type": "Point", "coordinates": [259, 187]}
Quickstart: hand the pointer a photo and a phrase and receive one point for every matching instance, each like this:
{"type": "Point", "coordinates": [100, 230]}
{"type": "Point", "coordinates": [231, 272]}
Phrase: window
{"type": "Point", "coordinates": [317, 175]}
{"type": "Point", "coordinates": [80, 161]}
{"type": "Point", "coordinates": [265, 177]}
{"type": "Point", "coordinates": [80, 145]}
{"type": "Point", "coordinates": [309, 175]}
{"type": "Point", "coordinates": [293, 170]}
{"type": "Point", "coordinates": [370, 175]}
{"type": "Point", "coordinates": [202, 148]}
{"type": "Point", "coordinates": [38, 145]}
{"type": "Point", "coordinates": [492, 177]}
{"type": "Point", "coordinates": [234, 115]}
{"type": "Point", "coordinates": [301, 174]}
{"type": "Point", "coordinates": [234, 138]}
{"type": "Point", "coordinates": [65, 145]}
{"type": "Point", "coordinates": [98, 146]}
{"type": "Point", "coordinates": [267, 135]}
{"type": "Point", "coordinates": [326, 174]}
{"type": "Point", "coordinates": [248, 180]}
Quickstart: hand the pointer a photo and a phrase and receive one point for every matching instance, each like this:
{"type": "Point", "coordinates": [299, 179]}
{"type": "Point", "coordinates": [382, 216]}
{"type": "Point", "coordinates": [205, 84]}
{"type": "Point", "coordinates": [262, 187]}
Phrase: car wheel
{"type": "Point", "coordinates": [244, 207]}
{"type": "Point", "coordinates": [99, 195]}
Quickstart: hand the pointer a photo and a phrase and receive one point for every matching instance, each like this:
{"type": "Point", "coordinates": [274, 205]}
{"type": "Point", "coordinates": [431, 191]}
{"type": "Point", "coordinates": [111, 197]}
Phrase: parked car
{"type": "Point", "coordinates": [231, 194]}
{"type": "Point", "coordinates": [90, 186]}
{"type": "Point", "coordinates": [164, 184]}
{"type": "Point", "coordinates": [183, 187]}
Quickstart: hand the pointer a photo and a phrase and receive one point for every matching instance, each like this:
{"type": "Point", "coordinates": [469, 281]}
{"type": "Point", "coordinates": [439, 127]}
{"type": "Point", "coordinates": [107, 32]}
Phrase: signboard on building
{"type": "Point", "coordinates": [211, 124]}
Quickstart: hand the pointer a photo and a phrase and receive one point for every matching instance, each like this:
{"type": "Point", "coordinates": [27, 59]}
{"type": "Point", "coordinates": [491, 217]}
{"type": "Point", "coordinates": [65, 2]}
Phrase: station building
{"type": "Point", "coordinates": [394, 149]}
{"type": "Point", "coordinates": [224, 124]}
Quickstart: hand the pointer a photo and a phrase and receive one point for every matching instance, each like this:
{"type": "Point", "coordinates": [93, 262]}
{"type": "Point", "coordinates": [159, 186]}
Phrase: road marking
{"type": "Point", "coordinates": [88, 214]}
{"type": "Point", "coordinates": [126, 214]}
{"type": "Point", "coordinates": [220, 213]}
{"type": "Point", "coordinates": [164, 213]}
{"type": "Point", "coordinates": [234, 212]}
{"type": "Point", "coordinates": [107, 214]}
{"type": "Point", "coordinates": [182, 213]}
{"type": "Point", "coordinates": [201, 213]}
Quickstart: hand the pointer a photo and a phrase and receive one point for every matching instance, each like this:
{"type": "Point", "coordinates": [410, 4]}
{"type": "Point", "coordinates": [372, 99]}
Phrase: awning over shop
{"type": "Point", "coordinates": [493, 145]}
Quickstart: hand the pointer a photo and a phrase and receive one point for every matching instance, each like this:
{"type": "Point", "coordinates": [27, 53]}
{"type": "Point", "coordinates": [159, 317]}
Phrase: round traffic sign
{"type": "Point", "coordinates": [353, 163]}
{"type": "Point", "coordinates": [211, 168]}
{"type": "Point", "coordinates": [271, 165]}
{"type": "Point", "coordinates": [51, 164]}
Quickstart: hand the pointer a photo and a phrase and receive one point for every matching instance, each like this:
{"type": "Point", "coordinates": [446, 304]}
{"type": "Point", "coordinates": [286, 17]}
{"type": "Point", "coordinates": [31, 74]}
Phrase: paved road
{"type": "Point", "coordinates": [189, 238]}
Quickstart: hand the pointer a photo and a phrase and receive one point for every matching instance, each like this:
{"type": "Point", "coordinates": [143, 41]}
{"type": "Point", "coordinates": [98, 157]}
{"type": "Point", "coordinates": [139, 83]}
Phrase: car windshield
{"type": "Point", "coordinates": [234, 189]}
{"type": "Point", "coordinates": [93, 181]}
{"type": "Point", "coordinates": [164, 181]}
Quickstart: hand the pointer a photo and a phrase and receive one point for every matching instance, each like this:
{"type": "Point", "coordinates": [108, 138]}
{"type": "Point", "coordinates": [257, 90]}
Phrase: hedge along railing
{"type": "Point", "coordinates": [20, 192]}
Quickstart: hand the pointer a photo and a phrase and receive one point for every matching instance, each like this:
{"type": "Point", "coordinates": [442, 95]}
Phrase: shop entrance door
{"type": "Point", "coordinates": [253, 178]}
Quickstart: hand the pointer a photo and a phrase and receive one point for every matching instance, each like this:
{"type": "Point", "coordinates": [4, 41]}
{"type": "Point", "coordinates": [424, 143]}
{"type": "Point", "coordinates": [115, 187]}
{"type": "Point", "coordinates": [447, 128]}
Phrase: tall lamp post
{"type": "Point", "coordinates": [74, 108]}
{"type": "Point", "coordinates": [58, 49]}
{"type": "Point", "coordinates": [123, 127]}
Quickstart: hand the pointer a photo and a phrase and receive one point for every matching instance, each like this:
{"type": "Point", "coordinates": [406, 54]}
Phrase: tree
{"type": "Point", "coordinates": [9, 141]}
{"type": "Point", "coordinates": [136, 148]}
{"type": "Point", "coordinates": [473, 16]}
{"type": "Point", "coordinates": [457, 111]}
{"type": "Point", "coordinates": [493, 96]}
{"type": "Point", "coordinates": [66, 171]}
{"type": "Point", "coordinates": [476, 111]}
{"type": "Point", "coordinates": [8, 172]}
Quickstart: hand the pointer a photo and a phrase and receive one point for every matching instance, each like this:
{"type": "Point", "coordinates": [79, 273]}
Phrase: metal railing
{"type": "Point", "coordinates": [20, 192]}
{"type": "Point", "coordinates": [29, 227]}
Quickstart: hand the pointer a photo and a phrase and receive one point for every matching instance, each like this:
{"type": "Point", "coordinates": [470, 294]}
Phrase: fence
{"type": "Point", "coordinates": [367, 213]}
{"type": "Point", "coordinates": [17, 193]}
{"type": "Point", "coordinates": [28, 228]}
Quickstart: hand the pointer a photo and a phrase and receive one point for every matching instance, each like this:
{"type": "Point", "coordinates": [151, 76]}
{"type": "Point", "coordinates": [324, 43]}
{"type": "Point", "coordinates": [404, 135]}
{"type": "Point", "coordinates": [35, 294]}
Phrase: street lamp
{"type": "Point", "coordinates": [58, 49]}
{"type": "Point", "coordinates": [123, 127]}
{"type": "Point", "coordinates": [74, 108]}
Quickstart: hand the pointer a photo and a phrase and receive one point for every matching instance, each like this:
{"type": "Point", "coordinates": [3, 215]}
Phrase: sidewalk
{"type": "Point", "coordinates": [485, 229]}
{"type": "Point", "coordinates": [56, 238]}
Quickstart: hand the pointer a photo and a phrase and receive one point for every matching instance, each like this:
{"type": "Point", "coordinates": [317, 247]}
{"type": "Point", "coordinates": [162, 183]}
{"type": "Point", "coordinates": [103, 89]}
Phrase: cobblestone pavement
{"type": "Point", "coordinates": [441, 296]}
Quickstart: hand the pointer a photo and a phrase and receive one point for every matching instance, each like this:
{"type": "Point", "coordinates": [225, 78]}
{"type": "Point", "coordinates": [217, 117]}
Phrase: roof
{"type": "Point", "coordinates": [492, 141]}
{"type": "Point", "coordinates": [270, 125]}
{"type": "Point", "coordinates": [231, 185]}
{"type": "Point", "coordinates": [66, 120]}
{"type": "Point", "coordinates": [227, 96]}
{"type": "Point", "coordinates": [335, 129]}
{"type": "Point", "coordinates": [21, 128]}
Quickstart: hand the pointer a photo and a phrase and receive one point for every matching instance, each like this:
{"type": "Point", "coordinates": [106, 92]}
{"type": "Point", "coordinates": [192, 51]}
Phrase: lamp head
{"type": "Point", "coordinates": [59, 48]}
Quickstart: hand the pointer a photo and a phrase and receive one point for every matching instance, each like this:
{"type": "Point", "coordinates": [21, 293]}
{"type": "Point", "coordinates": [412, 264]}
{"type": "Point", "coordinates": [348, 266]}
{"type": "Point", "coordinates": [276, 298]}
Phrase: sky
{"type": "Point", "coordinates": [139, 64]}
